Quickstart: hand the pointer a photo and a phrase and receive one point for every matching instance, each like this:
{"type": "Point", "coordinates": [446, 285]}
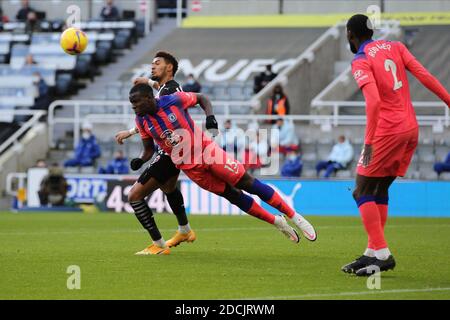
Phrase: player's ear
{"type": "Point", "coordinates": [170, 68]}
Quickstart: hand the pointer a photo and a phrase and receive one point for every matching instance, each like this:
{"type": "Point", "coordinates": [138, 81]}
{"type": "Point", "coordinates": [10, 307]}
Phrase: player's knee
{"type": "Point", "coordinates": [168, 188]}
{"type": "Point", "coordinates": [231, 194]}
{"type": "Point", "coordinates": [135, 195]}
{"type": "Point", "coordinates": [245, 182]}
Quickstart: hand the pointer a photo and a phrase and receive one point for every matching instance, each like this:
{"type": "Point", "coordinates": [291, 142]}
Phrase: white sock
{"type": "Point", "coordinates": [369, 253]}
{"type": "Point", "coordinates": [184, 229]}
{"type": "Point", "coordinates": [160, 243]}
{"type": "Point", "coordinates": [382, 254]}
{"type": "Point", "coordinates": [278, 220]}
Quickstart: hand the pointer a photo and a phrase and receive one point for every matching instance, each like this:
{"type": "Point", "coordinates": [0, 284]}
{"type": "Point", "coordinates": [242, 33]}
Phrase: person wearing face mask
{"type": "Point", "coordinates": [278, 103]}
{"type": "Point", "coordinates": [293, 165]}
{"type": "Point", "coordinates": [43, 98]}
{"type": "Point", "coordinates": [262, 79]}
{"type": "Point", "coordinates": [118, 165]}
{"type": "Point", "coordinates": [87, 150]}
{"type": "Point", "coordinates": [192, 85]}
{"type": "Point", "coordinates": [110, 12]}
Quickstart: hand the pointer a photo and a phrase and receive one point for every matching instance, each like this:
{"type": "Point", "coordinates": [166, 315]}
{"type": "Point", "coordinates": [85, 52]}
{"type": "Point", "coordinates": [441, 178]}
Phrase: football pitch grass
{"type": "Point", "coordinates": [234, 257]}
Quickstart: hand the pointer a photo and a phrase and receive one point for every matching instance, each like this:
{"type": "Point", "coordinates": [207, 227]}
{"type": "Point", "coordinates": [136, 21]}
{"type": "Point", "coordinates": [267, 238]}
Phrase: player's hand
{"type": "Point", "coordinates": [136, 163]}
{"type": "Point", "coordinates": [367, 154]}
{"type": "Point", "coordinates": [211, 125]}
{"type": "Point", "coordinates": [143, 80]}
{"type": "Point", "coordinates": [122, 135]}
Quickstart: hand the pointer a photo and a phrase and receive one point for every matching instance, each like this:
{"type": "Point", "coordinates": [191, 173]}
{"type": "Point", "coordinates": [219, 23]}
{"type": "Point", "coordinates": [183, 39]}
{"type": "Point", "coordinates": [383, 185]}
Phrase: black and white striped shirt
{"type": "Point", "coordinates": [169, 87]}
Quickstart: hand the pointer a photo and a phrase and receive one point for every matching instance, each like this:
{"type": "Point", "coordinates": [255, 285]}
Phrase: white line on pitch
{"type": "Point", "coordinates": [20, 233]}
{"type": "Point", "coordinates": [343, 294]}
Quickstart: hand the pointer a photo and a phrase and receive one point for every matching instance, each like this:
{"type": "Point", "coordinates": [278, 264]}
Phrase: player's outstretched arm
{"type": "Point", "coordinates": [211, 122]}
{"type": "Point", "coordinates": [145, 80]}
{"type": "Point", "coordinates": [423, 75]}
{"type": "Point", "coordinates": [146, 154]}
{"type": "Point", "coordinates": [428, 80]}
{"type": "Point", "coordinates": [125, 134]}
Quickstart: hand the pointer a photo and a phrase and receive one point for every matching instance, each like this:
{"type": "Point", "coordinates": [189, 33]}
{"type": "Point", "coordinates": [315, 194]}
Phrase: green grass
{"type": "Point", "coordinates": [234, 257]}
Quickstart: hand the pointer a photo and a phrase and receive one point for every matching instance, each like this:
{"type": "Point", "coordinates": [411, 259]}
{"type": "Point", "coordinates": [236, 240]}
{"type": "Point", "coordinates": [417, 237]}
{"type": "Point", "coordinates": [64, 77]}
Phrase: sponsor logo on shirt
{"type": "Point", "coordinates": [172, 117]}
{"type": "Point", "coordinates": [359, 75]}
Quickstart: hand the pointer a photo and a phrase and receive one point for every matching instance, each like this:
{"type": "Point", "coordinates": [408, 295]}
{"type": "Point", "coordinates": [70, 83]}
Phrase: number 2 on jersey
{"type": "Point", "coordinates": [390, 65]}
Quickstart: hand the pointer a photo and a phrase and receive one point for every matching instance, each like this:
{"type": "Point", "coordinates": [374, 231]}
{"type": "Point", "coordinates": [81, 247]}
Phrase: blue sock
{"type": "Point", "coordinates": [262, 190]}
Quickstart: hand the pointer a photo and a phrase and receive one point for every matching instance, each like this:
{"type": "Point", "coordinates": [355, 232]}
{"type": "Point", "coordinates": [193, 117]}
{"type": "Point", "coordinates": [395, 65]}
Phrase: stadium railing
{"type": "Point", "coordinates": [116, 112]}
{"type": "Point", "coordinates": [120, 113]}
{"type": "Point", "coordinates": [14, 139]}
{"type": "Point", "coordinates": [341, 88]}
{"type": "Point", "coordinates": [438, 122]}
{"type": "Point", "coordinates": [285, 78]}
{"type": "Point", "coordinates": [326, 46]}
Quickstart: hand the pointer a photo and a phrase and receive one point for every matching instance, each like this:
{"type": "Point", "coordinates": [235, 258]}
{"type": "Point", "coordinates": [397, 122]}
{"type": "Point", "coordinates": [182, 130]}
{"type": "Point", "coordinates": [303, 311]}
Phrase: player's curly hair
{"type": "Point", "coordinates": [169, 59]}
{"type": "Point", "coordinates": [360, 25]}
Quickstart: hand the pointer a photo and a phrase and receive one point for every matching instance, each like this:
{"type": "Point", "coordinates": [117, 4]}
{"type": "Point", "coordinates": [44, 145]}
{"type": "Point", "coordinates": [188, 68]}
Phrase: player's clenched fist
{"type": "Point", "coordinates": [211, 125]}
{"type": "Point", "coordinates": [140, 80]}
{"type": "Point", "coordinates": [136, 163]}
{"type": "Point", "coordinates": [145, 80]}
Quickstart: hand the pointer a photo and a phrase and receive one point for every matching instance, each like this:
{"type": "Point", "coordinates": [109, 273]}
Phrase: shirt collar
{"type": "Point", "coordinates": [363, 45]}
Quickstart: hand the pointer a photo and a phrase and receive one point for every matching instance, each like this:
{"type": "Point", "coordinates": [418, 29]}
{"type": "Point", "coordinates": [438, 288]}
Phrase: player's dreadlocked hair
{"type": "Point", "coordinates": [169, 59]}
{"type": "Point", "coordinates": [143, 89]}
{"type": "Point", "coordinates": [361, 26]}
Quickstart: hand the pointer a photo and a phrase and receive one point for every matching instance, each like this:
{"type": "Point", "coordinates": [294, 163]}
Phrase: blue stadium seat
{"type": "Point", "coordinates": [122, 39]}
{"type": "Point", "coordinates": [103, 53]}
{"type": "Point", "coordinates": [83, 67]}
{"type": "Point", "coordinates": [63, 84]}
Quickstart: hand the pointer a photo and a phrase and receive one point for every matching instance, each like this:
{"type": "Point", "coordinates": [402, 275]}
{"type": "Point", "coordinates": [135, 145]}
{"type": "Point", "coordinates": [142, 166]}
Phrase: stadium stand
{"type": "Point", "coordinates": [225, 71]}
{"type": "Point", "coordinates": [231, 96]}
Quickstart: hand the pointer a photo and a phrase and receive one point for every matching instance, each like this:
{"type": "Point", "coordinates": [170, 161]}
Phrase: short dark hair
{"type": "Point", "coordinates": [169, 59]}
{"type": "Point", "coordinates": [361, 26]}
{"type": "Point", "coordinates": [143, 89]}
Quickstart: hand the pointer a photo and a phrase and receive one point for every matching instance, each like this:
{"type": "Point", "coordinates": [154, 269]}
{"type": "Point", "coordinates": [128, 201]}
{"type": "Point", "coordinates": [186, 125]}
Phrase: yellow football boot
{"type": "Point", "coordinates": [153, 249]}
{"type": "Point", "coordinates": [181, 237]}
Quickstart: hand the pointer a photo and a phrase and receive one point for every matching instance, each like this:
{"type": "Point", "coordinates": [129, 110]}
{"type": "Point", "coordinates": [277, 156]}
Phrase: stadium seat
{"type": "Point", "coordinates": [84, 66]}
{"type": "Point", "coordinates": [122, 39]}
{"type": "Point", "coordinates": [220, 92]}
{"type": "Point", "coordinates": [236, 91]}
{"type": "Point", "coordinates": [140, 27]}
{"type": "Point", "coordinates": [63, 84]}
{"type": "Point", "coordinates": [103, 52]}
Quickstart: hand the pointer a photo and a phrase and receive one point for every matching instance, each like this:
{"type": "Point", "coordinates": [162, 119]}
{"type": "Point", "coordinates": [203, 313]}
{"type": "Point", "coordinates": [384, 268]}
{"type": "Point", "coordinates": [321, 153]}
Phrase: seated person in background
{"type": "Point", "coordinates": [278, 103]}
{"type": "Point", "coordinates": [284, 136]}
{"type": "Point", "coordinates": [43, 99]}
{"type": "Point", "coordinates": [29, 61]}
{"type": "Point", "coordinates": [341, 155]}
{"type": "Point", "coordinates": [40, 163]}
{"type": "Point", "coordinates": [232, 139]}
{"type": "Point", "coordinates": [256, 155]}
{"type": "Point", "coordinates": [192, 85]}
{"type": "Point", "coordinates": [22, 14]}
{"type": "Point", "coordinates": [293, 165]}
{"type": "Point", "coordinates": [262, 79]}
{"type": "Point", "coordinates": [53, 188]}
{"type": "Point", "coordinates": [118, 165]}
{"type": "Point", "coordinates": [440, 167]}
{"type": "Point", "coordinates": [110, 12]}
{"type": "Point", "coordinates": [87, 150]}
{"type": "Point", "coordinates": [32, 23]}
